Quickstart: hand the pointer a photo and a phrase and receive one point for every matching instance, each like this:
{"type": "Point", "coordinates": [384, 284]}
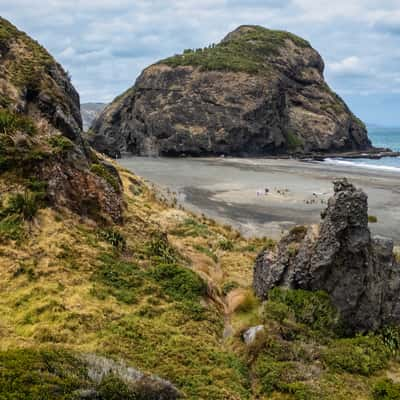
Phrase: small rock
{"type": "Point", "coordinates": [250, 335]}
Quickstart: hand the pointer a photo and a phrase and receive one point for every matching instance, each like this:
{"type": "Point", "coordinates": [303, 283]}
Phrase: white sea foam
{"type": "Point", "coordinates": [361, 164]}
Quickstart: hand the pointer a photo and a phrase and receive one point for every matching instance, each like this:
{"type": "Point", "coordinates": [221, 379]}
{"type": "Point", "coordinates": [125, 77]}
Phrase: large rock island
{"type": "Point", "coordinates": [257, 92]}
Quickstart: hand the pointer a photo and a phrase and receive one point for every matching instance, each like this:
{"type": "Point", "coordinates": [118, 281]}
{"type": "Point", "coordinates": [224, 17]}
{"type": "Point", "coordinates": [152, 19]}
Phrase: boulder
{"type": "Point", "coordinates": [340, 257]}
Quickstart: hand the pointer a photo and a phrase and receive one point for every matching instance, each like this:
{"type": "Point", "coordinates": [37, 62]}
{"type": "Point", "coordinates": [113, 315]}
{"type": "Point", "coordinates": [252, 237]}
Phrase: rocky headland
{"type": "Point", "coordinates": [258, 92]}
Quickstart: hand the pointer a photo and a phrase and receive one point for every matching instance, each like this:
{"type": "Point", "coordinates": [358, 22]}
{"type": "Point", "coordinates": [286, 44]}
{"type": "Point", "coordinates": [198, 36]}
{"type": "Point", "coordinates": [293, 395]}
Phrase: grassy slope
{"type": "Point", "coordinates": [128, 292]}
{"type": "Point", "coordinates": [247, 51]}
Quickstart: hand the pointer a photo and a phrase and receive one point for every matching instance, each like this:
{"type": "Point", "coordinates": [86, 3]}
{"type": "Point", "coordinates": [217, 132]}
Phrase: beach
{"type": "Point", "coordinates": [266, 197]}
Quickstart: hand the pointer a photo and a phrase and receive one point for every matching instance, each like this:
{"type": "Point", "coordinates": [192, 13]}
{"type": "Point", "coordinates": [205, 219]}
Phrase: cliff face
{"type": "Point", "coordinates": [258, 92]}
{"type": "Point", "coordinates": [359, 272]}
{"type": "Point", "coordinates": [40, 131]}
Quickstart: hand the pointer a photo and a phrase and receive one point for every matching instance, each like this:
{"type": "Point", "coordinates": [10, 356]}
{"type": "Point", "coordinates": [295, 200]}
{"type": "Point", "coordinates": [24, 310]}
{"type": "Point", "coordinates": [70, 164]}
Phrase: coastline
{"type": "Point", "coordinates": [231, 190]}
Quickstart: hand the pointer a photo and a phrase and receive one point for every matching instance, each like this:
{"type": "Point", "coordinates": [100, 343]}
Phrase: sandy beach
{"type": "Point", "coordinates": [234, 191]}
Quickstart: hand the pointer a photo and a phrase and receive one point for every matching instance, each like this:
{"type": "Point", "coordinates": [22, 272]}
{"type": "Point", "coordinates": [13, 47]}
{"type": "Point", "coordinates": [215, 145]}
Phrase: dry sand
{"type": "Point", "coordinates": [233, 191]}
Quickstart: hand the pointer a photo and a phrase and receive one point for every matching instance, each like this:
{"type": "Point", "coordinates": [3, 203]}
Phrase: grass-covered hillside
{"type": "Point", "coordinates": [246, 49]}
{"type": "Point", "coordinates": [167, 293]}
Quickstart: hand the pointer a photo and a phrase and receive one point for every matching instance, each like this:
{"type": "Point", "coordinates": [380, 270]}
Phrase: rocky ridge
{"type": "Point", "coordinates": [258, 92]}
{"type": "Point", "coordinates": [358, 271]}
{"type": "Point", "coordinates": [40, 131]}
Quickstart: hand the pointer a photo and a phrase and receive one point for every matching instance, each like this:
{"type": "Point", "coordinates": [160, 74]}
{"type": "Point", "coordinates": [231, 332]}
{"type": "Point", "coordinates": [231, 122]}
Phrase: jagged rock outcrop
{"type": "Point", "coordinates": [258, 92]}
{"type": "Point", "coordinates": [40, 130]}
{"type": "Point", "coordinates": [358, 271]}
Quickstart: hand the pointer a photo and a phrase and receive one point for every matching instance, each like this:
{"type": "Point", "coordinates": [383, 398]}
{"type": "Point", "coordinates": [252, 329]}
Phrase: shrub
{"type": "Point", "coordinates": [113, 237]}
{"type": "Point", "coordinates": [386, 389]}
{"type": "Point", "coordinates": [40, 374]}
{"type": "Point", "coordinates": [113, 388]}
{"type": "Point", "coordinates": [61, 143]}
{"type": "Point", "coordinates": [179, 283]}
{"type": "Point", "coordinates": [390, 336]}
{"type": "Point", "coordinates": [24, 204]}
{"type": "Point", "coordinates": [226, 245]}
{"type": "Point", "coordinates": [159, 249]}
{"type": "Point", "coordinates": [11, 228]}
{"type": "Point", "coordinates": [11, 123]}
{"type": "Point", "coordinates": [123, 280]}
{"type": "Point", "coordinates": [313, 309]}
{"type": "Point", "coordinates": [190, 227]}
{"type": "Point", "coordinates": [360, 355]}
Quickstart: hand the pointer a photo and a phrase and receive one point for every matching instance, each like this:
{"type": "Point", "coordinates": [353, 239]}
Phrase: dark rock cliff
{"type": "Point", "coordinates": [358, 271]}
{"type": "Point", "coordinates": [258, 92]}
{"type": "Point", "coordinates": [40, 131]}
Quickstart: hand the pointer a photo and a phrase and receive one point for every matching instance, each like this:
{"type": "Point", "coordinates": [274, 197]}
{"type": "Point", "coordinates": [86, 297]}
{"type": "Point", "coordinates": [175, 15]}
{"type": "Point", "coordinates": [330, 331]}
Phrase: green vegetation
{"type": "Point", "coordinates": [19, 152]}
{"type": "Point", "coordinates": [247, 50]}
{"type": "Point", "coordinates": [386, 389]}
{"type": "Point", "coordinates": [101, 171]}
{"type": "Point", "coordinates": [191, 227]}
{"type": "Point", "coordinates": [33, 60]}
{"type": "Point", "coordinates": [61, 144]}
{"type": "Point", "coordinates": [362, 355]}
{"type": "Point", "coordinates": [372, 219]}
{"type": "Point", "coordinates": [40, 374]}
{"type": "Point", "coordinates": [312, 309]}
{"type": "Point", "coordinates": [293, 141]}
{"type": "Point", "coordinates": [207, 251]}
{"type": "Point", "coordinates": [179, 283]}
{"type": "Point", "coordinates": [11, 122]}
{"type": "Point", "coordinates": [114, 237]}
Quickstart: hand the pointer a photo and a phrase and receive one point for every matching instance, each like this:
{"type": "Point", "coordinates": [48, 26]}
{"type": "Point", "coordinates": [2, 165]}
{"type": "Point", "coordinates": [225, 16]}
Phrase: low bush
{"type": "Point", "coordinates": [226, 245]}
{"type": "Point", "coordinates": [190, 227]}
{"type": "Point", "coordinates": [120, 279]}
{"type": "Point", "coordinates": [160, 251]}
{"type": "Point", "coordinates": [61, 144]}
{"type": "Point", "coordinates": [386, 389]}
{"type": "Point", "coordinates": [24, 204]}
{"type": "Point", "coordinates": [115, 238]}
{"type": "Point", "coordinates": [313, 309]}
{"type": "Point", "coordinates": [179, 283]}
{"type": "Point", "coordinates": [362, 355]}
{"type": "Point", "coordinates": [11, 123]}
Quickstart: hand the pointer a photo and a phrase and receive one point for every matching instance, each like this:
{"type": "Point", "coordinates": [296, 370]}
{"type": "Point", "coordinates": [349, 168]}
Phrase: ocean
{"type": "Point", "coordinates": [380, 137]}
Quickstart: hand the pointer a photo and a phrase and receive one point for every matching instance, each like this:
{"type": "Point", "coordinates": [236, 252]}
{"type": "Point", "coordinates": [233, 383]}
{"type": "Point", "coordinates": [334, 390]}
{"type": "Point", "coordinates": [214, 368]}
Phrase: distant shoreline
{"type": "Point", "coordinates": [228, 190]}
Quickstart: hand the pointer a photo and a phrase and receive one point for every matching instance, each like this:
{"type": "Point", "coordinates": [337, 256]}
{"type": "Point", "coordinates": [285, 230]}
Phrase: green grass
{"type": "Point", "coordinates": [386, 389]}
{"type": "Point", "coordinates": [11, 122]}
{"type": "Point", "coordinates": [362, 355]}
{"type": "Point", "coordinates": [247, 51]}
{"type": "Point", "coordinates": [191, 228]}
{"type": "Point", "coordinates": [61, 144]}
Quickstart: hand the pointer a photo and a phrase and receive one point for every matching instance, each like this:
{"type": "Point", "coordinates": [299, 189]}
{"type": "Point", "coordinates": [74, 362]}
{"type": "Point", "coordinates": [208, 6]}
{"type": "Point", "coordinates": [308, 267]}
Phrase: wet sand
{"type": "Point", "coordinates": [233, 191]}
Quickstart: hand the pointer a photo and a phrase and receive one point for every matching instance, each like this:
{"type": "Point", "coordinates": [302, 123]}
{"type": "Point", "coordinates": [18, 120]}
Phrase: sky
{"type": "Point", "coordinates": [105, 44]}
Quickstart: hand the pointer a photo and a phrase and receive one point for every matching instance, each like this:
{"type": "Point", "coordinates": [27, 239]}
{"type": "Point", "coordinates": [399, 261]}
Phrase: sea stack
{"type": "Point", "coordinates": [258, 92]}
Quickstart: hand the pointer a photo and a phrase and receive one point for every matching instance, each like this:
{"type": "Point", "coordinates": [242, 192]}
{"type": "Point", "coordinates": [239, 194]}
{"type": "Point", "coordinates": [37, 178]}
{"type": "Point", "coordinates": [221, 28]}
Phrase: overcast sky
{"type": "Point", "coordinates": [105, 44]}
